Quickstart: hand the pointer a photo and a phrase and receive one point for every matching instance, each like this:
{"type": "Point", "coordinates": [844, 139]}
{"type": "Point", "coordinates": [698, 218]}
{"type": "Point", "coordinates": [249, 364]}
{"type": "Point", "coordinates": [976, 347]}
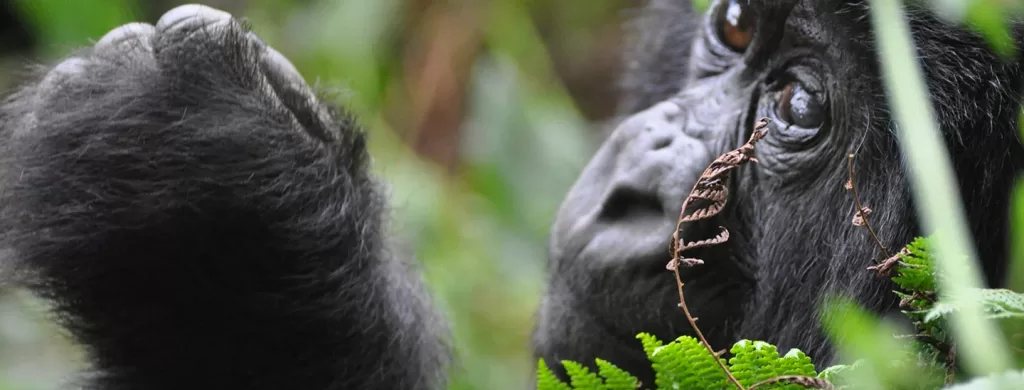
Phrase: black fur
{"type": "Point", "coordinates": [201, 224]}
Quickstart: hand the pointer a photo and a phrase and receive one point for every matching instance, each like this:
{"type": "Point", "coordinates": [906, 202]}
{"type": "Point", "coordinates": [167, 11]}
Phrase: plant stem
{"type": "Point", "coordinates": [700, 335]}
{"type": "Point", "coordinates": [860, 210]}
{"type": "Point", "coordinates": [935, 189]}
{"type": "Point", "coordinates": [686, 309]}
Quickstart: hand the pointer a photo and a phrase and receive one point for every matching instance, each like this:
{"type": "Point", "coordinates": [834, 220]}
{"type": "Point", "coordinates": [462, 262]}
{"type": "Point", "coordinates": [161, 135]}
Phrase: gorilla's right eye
{"type": "Point", "coordinates": [801, 107]}
{"type": "Point", "coordinates": [734, 24]}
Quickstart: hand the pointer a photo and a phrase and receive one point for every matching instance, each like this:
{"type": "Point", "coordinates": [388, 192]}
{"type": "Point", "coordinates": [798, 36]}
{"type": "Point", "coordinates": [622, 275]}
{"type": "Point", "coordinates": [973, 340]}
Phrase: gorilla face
{"type": "Point", "coordinates": [695, 85]}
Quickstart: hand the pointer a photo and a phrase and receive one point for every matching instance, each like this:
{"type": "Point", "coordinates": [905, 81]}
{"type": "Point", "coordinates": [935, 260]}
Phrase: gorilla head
{"type": "Point", "coordinates": [695, 84]}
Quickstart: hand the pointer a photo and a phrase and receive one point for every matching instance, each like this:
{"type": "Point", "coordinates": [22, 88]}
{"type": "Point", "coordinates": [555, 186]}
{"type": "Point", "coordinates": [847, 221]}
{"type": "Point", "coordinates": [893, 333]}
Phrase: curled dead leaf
{"type": "Point", "coordinates": [859, 218]}
{"type": "Point", "coordinates": [885, 267]}
{"type": "Point", "coordinates": [722, 237]}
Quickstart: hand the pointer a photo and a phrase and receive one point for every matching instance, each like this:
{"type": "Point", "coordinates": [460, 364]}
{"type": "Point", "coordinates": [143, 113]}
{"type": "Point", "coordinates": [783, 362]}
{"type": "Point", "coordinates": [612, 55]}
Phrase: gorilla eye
{"type": "Point", "coordinates": [734, 24]}
{"type": "Point", "coordinates": [800, 107]}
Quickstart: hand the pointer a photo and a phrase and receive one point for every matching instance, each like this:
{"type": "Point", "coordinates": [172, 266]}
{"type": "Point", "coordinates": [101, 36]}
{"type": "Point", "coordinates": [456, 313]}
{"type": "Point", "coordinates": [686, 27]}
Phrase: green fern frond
{"type": "Point", "coordinates": [649, 342]}
{"type": "Point", "coordinates": [916, 272]}
{"type": "Point", "coordinates": [682, 364]}
{"type": "Point", "coordinates": [1002, 303]}
{"type": "Point", "coordinates": [996, 304]}
{"type": "Point", "coordinates": [756, 361]}
{"type": "Point", "coordinates": [608, 377]}
{"type": "Point", "coordinates": [546, 380]}
{"type": "Point", "coordinates": [580, 377]}
{"type": "Point", "coordinates": [615, 378]}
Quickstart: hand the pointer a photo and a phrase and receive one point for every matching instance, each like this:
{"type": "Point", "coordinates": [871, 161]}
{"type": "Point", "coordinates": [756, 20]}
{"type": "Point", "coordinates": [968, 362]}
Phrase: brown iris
{"type": "Point", "coordinates": [786, 103]}
{"type": "Point", "coordinates": [735, 24]}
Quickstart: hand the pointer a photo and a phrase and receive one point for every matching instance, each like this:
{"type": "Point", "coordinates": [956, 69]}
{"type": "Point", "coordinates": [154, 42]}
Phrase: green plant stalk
{"type": "Point", "coordinates": [935, 192]}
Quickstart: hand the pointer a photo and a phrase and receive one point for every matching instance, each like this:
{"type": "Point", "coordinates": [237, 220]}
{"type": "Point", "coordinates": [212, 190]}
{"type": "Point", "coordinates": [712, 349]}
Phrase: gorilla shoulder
{"type": "Point", "coordinates": [201, 220]}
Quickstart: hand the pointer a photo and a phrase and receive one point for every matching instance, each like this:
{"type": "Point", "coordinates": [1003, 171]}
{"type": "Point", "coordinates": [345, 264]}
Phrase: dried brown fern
{"type": "Point", "coordinates": [711, 189]}
{"type": "Point", "coordinates": [712, 192]}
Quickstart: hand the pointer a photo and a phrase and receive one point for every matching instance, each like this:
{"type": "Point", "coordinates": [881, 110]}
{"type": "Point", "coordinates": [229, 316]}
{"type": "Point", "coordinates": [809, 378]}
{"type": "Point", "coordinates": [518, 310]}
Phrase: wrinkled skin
{"type": "Point", "coordinates": [201, 220]}
{"type": "Point", "coordinates": [688, 99]}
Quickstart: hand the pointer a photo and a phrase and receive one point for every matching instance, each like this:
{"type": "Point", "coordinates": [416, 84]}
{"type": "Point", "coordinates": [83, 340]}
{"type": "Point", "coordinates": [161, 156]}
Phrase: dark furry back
{"type": "Point", "coordinates": [200, 223]}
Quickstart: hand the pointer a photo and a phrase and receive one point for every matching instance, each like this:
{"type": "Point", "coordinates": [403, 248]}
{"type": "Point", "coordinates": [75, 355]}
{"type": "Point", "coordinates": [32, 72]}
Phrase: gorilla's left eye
{"type": "Point", "coordinates": [801, 107]}
{"type": "Point", "coordinates": [734, 24]}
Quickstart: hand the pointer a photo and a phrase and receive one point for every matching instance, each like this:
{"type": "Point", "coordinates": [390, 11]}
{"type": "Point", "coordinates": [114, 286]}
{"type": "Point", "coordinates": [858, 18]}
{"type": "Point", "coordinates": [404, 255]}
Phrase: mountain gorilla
{"type": "Point", "coordinates": [695, 84]}
{"type": "Point", "coordinates": [200, 219]}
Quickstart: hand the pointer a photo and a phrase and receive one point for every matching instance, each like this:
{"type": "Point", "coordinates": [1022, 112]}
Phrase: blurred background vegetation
{"type": "Point", "coordinates": [481, 114]}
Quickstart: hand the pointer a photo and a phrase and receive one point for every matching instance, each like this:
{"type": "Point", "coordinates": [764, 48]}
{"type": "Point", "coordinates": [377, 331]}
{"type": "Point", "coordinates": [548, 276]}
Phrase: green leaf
{"type": "Point", "coordinates": [840, 373]}
{"type": "Point", "coordinates": [995, 303]}
{"type": "Point", "coordinates": [933, 180]}
{"type": "Point", "coordinates": [992, 23]}
{"type": "Point", "coordinates": [616, 378]}
{"type": "Point", "coordinates": [998, 381]}
{"type": "Point", "coordinates": [546, 380]}
{"type": "Point", "coordinates": [915, 272]}
{"type": "Point", "coordinates": [580, 377]}
{"type": "Point", "coordinates": [686, 364]}
{"type": "Point", "coordinates": [755, 361]}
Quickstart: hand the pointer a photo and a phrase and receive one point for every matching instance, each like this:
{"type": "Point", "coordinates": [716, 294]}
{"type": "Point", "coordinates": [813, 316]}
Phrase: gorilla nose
{"type": "Point", "coordinates": [656, 161]}
{"type": "Point", "coordinates": [634, 192]}
{"type": "Point", "coordinates": [662, 124]}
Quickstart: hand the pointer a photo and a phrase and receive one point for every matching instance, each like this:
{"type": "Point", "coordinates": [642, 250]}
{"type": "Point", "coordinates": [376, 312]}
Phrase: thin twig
{"type": "Point", "coordinates": [861, 210]}
{"type": "Point", "coordinates": [886, 266]}
{"type": "Point", "coordinates": [710, 186]}
{"type": "Point", "coordinates": [686, 310]}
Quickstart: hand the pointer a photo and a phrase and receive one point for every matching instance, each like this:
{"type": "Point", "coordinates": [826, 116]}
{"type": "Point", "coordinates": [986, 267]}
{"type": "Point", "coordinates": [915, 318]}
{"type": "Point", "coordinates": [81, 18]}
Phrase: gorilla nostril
{"type": "Point", "coordinates": [629, 202]}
